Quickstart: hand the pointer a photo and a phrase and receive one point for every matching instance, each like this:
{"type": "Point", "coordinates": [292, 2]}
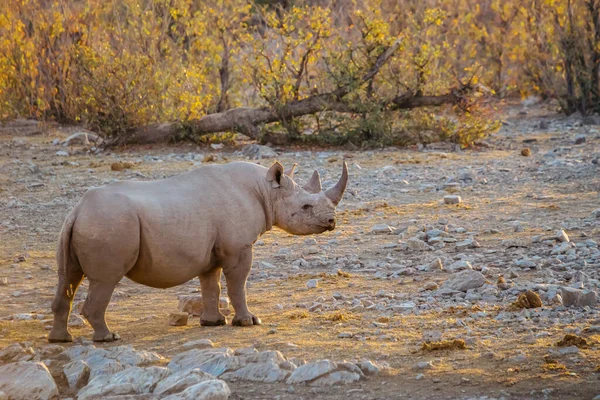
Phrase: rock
{"type": "Point", "coordinates": [460, 265]}
{"type": "Point", "coordinates": [16, 352]}
{"type": "Point", "coordinates": [312, 283]}
{"type": "Point", "coordinates": [111, 360]}
{"type": "Point", "coordinates": [268, 372]}
{"type": "Point", "coordinates": [580, 139]}
{"type": "Point", "coordinates": [381, 229]}
{"type": "Point", "coordinates": [134, 380]}
{"type": "Point", "coordinates": [572, 297]}
{"type": "Point", "coordinates": [178, 382]}
{"type": "Point", "coordinates": [178, 318]}
{"type": "Point", "coordinates": [435, 265]}
{"type": "Point", "coordinates": [424, 365]}
{"type": "Point", "coordinates": [213, 361]}
{"type": "Point", "coordinates": [214, 389]}
{"type": "Point", "coordinates": [562, 236]}
{"type": "Point", "coordinates": [417, 245]}
{"type": "Point", "coordinates": [337, 378]}
{"type": "Point", "coordinates": [3, 281]}
{"type": "Point", "coordinates": [257, 151]}
{"type": "Point", "coordinates": [27, 380]}
{"type": "Point", "coordinates": [199, 344]}
{"type": "Point", "coordinates": [464, 280]}
{"type": "Point", "coordinates": [191, 304]}
{"type": "Point", "coordinates": [452, 199]}
{"type": "Point", "coordinates": [369, 367]}
{"type": "Point", "coordinates": [526, 152]}
{"type": "Point", "coordinates": [77, 373]}
{"type": "Point", "coordinates": [467, 244]}
{"type": "Point", "coordinates": [561, 249]}
{"type": "Point", "coordinates": [62, 153]}
{"type": "Point", "coordinates": [430, 286]}
{"type": "Point", "coordinates": [595, 213]}
{"type": "Point", "coordinates": [312, 371]}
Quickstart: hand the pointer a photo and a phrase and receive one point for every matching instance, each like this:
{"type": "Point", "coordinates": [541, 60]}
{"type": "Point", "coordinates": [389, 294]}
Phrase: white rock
{"type": "Point", "coordinates": [369, 367]}
{"type": "Point", "coordinates": [134, 380]}
{"type": "Point", "coordinates": [417, 245]}
{"type": "Point", "coordinates": [562, 236]}
{"type": "Point", "coordinates": [199, 344]}
{"type": "Point", "coordinates": [337, 378]}
{"type": "Point", "coordinates": [460, 265]}
{"type": "Point", "coordinates": [178, 382]}
{"type": "Point", "coordinates": [312, 283]}
{"type": "Point", "coordinates": [464, 280]}
{"type": "Point", "coordinates": [268, 372]}
{"type": "Point", "coordinates": [27, 380]}
{"type": "Point", "coordinates": [312, 371]}
{"type": "Point", "coordinates": [452, 199]}
{"type": "Point", "coordinates": [15, 352]}
{"type": "Point", "coordinates": [214, 389]}
{"type": "Point", "coordinates": [77, 373]}
{"type": "Point", "coordinates": [381, 229]}
{"type": "Point", "coordinates": [572, 297]}
{"type": "Point", "coordinates": [62, 153]}
{"type": "Point", "coordinates": [191, 304]}
{"type": "Point", "coordinates": [213, 361]}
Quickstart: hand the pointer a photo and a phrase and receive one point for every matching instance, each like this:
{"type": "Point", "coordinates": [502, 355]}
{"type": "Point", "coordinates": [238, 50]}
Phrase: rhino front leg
{"type": "Point", "coordinates": [236, 274]}
{"type": "Point", "coordinates": [210, 283]}
{"type": "Point", "coordinates": [94, 310]}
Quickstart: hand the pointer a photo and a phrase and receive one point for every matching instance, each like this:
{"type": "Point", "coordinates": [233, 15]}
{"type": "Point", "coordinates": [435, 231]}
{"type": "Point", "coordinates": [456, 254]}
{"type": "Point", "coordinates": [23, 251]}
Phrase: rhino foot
{"type": "Point", "coordinates": [60, 337]}
{"type": "Point", "coordinates": [219, 322]}
{"type": "Point", "coordinates": [246, 321]}
{"type": "Point", "coordinates": [111, 337]}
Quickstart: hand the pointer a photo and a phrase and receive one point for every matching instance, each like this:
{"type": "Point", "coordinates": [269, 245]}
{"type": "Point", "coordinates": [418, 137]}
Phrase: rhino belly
{"type": "Point", "coordinates": [168, 268]}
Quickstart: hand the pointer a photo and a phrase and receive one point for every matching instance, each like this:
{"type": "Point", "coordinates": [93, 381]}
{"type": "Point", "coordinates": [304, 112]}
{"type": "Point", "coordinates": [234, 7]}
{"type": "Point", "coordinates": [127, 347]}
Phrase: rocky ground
{"type": "Point", "coordinates": [452, 274]}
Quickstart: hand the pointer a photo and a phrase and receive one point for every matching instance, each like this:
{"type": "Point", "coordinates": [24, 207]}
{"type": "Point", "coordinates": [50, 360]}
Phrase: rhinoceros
{"type": "Point", "coordinates": [164, 233]}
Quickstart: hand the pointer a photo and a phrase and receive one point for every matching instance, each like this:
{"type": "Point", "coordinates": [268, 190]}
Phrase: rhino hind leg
{"type": "Point", "coordinates": [211, 292]}
{"type": "Point", "coordinates": [94, 310]}
{"type": "Point", "coordinates": [68, 282]}
{"type": "Point", "coordinates": [236, 275]}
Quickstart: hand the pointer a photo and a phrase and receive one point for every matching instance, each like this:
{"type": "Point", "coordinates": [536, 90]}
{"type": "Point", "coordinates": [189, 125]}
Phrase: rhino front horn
{"type": "Point", "coordinates": [335, 193]}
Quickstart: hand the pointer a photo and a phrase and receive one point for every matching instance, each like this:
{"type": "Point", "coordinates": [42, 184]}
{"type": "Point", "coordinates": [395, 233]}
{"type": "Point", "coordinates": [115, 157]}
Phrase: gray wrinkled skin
{"type": "Point", "coordinates": [164, 233]}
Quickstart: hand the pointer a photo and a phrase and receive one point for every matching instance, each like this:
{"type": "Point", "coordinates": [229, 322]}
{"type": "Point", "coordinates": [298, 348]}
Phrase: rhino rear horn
{"type": "Point", "coordinates": [314, 185]}
{"type": "Point", "coordinates": [290, 171]}
{"type": "Point", "coordinates": [336, 192]}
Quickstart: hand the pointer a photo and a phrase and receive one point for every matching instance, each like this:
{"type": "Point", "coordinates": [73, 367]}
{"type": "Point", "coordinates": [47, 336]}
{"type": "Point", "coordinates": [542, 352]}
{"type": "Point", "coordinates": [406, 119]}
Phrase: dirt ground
{"type": "Point", "coordinates": [509, 199]}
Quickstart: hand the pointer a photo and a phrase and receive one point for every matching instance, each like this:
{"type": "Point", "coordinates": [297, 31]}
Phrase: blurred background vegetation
{"type": "Point", "coordinates": [117, 65]}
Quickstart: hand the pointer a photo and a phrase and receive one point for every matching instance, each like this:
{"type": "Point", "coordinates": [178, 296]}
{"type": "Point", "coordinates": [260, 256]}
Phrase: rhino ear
{"type": "Point", "coordinates": [275, 174]}
{"type": "Point", "coordinates": [314, 185]}
{"type": "Point", "coordinates": [290, 171]}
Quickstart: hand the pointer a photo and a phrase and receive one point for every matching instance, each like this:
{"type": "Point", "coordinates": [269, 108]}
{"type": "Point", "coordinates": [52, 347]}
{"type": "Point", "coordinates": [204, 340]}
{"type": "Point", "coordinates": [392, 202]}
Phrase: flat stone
{"type": "Point", "coordinates": [312, 283]}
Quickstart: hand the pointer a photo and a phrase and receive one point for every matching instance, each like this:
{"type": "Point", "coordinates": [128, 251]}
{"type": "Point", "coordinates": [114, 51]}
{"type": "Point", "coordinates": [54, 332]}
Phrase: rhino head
{"type": "Point", "coordinates": [304, 210]}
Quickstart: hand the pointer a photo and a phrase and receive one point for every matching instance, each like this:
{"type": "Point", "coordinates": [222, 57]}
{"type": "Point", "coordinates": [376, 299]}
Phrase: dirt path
{"type": "Point", "coordinates": [389, 297]}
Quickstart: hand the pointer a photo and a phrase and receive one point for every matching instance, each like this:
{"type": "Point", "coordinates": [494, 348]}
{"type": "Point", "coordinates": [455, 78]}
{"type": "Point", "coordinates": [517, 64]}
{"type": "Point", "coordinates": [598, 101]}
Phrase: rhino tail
{"type": "Point", "coordinates": [67, 262]}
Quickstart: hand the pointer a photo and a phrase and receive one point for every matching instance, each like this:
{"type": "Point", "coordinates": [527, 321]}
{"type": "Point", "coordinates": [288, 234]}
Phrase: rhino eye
{"type": "Point", "coordinates": [307, 207]}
